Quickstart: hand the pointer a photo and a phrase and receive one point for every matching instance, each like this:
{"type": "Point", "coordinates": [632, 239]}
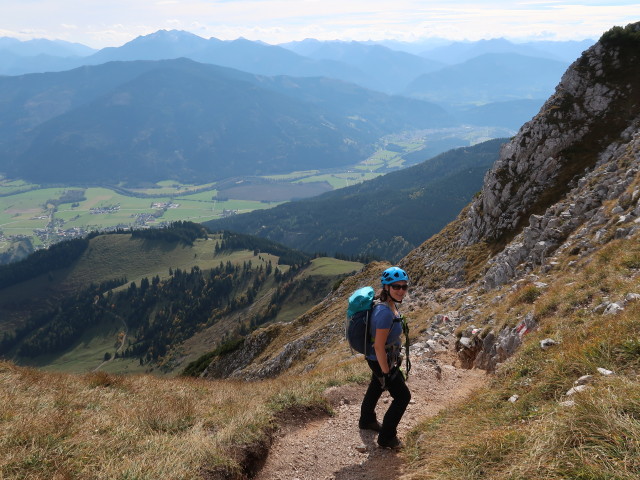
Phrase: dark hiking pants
{"type": "Point", "coordinates": [399, 392]}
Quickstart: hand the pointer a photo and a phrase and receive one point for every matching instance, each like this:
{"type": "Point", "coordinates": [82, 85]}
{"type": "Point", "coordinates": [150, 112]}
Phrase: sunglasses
{"type": "Point", "coordinates": [399, 287]}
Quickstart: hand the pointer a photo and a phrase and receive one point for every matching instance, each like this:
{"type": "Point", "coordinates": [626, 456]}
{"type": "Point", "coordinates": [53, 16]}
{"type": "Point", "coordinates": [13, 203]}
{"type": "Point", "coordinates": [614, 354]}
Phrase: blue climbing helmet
{"type": "Point", "coordinates": [393, 274]}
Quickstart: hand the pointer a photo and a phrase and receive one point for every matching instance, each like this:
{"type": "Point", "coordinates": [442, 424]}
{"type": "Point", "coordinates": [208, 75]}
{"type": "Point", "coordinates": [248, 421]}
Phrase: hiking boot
{"type": "Point", "coordinates": [374, 425]}
{"type": "Point", "coordinates": [393, 443]}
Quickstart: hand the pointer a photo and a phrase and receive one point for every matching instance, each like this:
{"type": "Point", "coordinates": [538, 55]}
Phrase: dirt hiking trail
{"type": "Point", "coordinates": [334, 448]}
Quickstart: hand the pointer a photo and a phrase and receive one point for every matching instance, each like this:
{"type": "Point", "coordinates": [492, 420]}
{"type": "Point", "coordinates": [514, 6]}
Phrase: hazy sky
{"type": "Point", "coordinates": [114, 22]}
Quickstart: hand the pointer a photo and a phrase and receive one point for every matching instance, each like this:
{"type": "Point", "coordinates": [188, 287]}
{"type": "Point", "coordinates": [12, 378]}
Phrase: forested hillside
{"type": "Point", "coordinates": [385, 217]}
{"type": "Point", "coordinates": [226, 284]}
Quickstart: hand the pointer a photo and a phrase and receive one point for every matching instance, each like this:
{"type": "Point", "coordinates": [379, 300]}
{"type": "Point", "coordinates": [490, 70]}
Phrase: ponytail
{"type": "Point", "coordinates": [382, 295]}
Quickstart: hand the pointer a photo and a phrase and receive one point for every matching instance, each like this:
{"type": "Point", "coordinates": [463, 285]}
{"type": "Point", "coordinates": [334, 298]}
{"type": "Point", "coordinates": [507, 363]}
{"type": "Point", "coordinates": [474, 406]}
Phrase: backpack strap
{"type": "Point", "coordinates": [405, 330]}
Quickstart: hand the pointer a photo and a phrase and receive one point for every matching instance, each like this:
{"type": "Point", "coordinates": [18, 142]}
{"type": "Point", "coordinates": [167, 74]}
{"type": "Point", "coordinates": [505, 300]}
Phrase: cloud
{"type": "Point", "coordinates": [115, 22]}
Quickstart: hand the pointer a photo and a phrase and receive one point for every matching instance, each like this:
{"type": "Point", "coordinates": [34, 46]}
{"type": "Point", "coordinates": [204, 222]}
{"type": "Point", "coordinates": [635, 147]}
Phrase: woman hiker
{"type": "Point", "coordinates": [384, 360]}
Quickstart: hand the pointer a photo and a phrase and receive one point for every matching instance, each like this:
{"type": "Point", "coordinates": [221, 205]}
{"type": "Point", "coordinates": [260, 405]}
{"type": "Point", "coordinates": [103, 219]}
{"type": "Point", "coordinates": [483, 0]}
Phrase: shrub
{"type": "Point", "coordinates": [528, 294]}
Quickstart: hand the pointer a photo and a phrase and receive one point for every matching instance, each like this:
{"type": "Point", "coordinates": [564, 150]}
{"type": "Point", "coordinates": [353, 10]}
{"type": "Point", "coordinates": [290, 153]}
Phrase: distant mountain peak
{"type": "Point", "coordinates": [167, 36]}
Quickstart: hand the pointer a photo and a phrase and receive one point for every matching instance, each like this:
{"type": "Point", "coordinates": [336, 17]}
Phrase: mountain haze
{"type": "Point", "coordinates": [384, 69]}
{"type": "Point", "coordinates": [459, 52]}
{"type": "Point", "coordinates": [148, 121]}
{"type": "Point", "coordinates": [41, 46]}
{"type": "Point", "coordinates": [466, 74]}
{"type": "Point", "coordinates": [509, 114]}
{"type": "Point", "coordinates": [388, 67]}
{"type": "Point", "coordinates": [492, 77]}
{"type": "Point", "coordinates": [253, 57]}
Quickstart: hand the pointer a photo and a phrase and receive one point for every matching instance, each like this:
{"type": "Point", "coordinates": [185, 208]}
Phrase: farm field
{"type": "Point", "coordinates": [43, 215]}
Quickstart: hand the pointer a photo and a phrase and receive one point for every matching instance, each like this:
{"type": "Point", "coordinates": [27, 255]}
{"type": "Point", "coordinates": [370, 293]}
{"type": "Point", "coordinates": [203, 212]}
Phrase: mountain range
{"type": "Point", "coordinates": [374, 66]}
{"type": "Point", "coordinates": [140, 113]}
{"type": "Point", "coordinates": [127, 115]}
{"type": "Point", "coordinates": [152, 120]}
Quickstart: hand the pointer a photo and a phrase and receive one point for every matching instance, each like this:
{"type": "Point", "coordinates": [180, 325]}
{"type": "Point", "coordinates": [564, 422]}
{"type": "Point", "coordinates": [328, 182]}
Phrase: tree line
{"type": "Point", "coordinates": [57, 256]}
{"type": "Point", "coordinates": [63, 254]}
{"type": "Point", "coordinates": [181, 231]}
{"type": "Point", "coordinates": [239, 241]}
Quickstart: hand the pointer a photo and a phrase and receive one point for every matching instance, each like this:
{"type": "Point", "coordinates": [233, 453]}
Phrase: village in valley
{"type": "Point", "coordinates": [32, 221]}
{"type": "Point", "coordinates": [55, 230]}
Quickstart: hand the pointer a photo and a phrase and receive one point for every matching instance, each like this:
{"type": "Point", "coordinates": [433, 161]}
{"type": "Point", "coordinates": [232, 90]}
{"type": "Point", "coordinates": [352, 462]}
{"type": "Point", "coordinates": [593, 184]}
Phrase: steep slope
{"type": "Point", "coordinates": [562, 166]}
{"type": "Point", "coordinates": [568, 182]}
{"type": "Point", "coordinates": [546, 259]}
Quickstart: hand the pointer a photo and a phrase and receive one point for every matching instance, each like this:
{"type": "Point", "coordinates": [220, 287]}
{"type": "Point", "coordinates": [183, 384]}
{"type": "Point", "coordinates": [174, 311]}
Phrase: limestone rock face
{"type": "Point", "coordinates": [536, 159]}
{"type": "Point", "coordinates": [567, 182]}
{"type": "Point", "coordinates": [580, 219]}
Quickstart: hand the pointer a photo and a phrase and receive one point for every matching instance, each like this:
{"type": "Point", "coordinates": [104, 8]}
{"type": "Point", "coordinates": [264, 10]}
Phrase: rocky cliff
{"type": "Point", "coordinates": [565, 185]}
{"type": "Point", "coordinates": [552, 177]}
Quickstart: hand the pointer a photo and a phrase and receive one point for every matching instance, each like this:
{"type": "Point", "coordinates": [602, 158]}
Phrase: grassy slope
{"type": "Point", "coordinates": [101, 426]}
{"type": "Point", "coordinates": [292, 308]}
{"type": "Point", "coordinates": [536, 437]}
{"type": "Point", "coordinates": [108, 257]}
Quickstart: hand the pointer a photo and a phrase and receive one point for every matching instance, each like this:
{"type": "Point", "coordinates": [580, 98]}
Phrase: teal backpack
{"type": "Point", "coordinates": [358, 317]}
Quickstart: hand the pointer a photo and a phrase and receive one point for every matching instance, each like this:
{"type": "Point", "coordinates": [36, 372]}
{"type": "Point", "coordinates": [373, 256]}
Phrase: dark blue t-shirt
{"type": "Point", "coordinates": [383, 318]}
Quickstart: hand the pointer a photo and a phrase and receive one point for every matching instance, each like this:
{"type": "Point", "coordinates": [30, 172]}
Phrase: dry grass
{"type": "Point", "coordinates": [537, 437]}
{"type": "Point", "coordinates": [101, 426]}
